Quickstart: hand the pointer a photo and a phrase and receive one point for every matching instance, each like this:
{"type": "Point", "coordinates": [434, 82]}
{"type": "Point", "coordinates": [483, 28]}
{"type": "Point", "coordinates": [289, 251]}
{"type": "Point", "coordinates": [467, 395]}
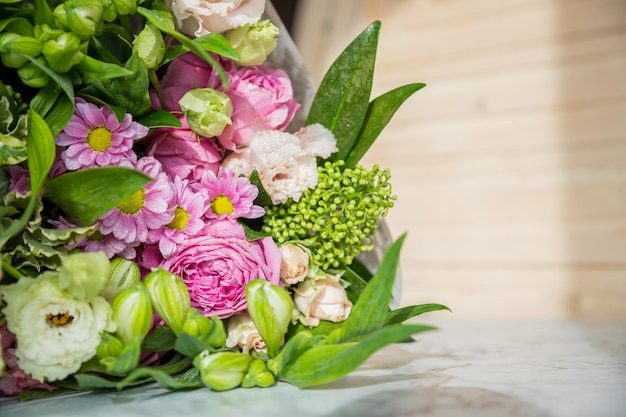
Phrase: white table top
{"type": "Point", "coordinates": [467, 368]}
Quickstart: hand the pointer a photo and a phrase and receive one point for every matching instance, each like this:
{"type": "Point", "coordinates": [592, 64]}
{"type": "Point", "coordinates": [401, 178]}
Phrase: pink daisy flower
{"type": "Point", "coordinates": [94, 137]}
{"type": "Point", "coordinates": [230, 196]}
{"type": "Point", "coordinates": [188, 220]}
{"type": "Point", "coordinates": [151, 207]}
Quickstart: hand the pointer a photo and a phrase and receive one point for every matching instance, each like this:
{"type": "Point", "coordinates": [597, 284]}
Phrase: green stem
{"type": "Point", "coordinates": [8, 268]}
{"type": "Point", "coordinates": [154, 80]}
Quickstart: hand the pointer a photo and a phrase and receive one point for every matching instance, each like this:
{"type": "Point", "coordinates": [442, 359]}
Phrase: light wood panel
{"type": "Point", "coordinates": [510, 166]}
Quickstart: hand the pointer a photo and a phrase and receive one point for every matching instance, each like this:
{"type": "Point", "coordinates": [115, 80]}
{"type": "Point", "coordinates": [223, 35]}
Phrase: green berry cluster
{"type": "Point", "coordinates": [337, 218]}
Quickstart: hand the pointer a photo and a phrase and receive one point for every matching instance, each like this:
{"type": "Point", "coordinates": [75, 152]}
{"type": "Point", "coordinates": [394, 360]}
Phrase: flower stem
{"type": "Point", "coordinates": [8, 268]}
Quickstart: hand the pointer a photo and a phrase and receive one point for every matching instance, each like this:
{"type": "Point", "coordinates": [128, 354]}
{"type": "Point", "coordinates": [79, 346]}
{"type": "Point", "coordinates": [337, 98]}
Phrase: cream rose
{"type": "Point", "coordinates": [321, 299]}
{"type": "Point", "coordinates": [243, 333]}
{"type": "Point", "coordinates": [199, 17]}
{"type": "Point", "coordinates": [295, 264]}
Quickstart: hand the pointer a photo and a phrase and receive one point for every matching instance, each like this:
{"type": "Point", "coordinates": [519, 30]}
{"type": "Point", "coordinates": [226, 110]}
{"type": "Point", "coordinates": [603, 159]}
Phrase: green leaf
{"type": "Point", "coordinates": [342, 99]}
{"type": "Point", "coordinates": [292, 350]}
{"type": "Point", "coordinates": [60, 113]}
{"type": "Point", "coordinates": [93, 69]}
{"type": "Point", "coordinates": [211, 42]}
{"type": "Point", "coordinates": [41, 151]}
{"type": "Point", "coordinates": [62, 80]}
{"type": "Point", "coordinates": [263, 199]}
{"type": "Point", "coordinates": [161, 340]}
{"type": "Point", "coordinates": [159, 118]}
{"type": "Point", "coordinates": [379, 113]}
{"type": "Point", "coordinates": [252, 234]}
{"type": "Point", "coordinates": [189, 345]}
{"type": "Point", "coordinates": [326, 363]}
{"type": "Point", "coordinates": [402, 314]}
{"type": "Point", "coordinates": [356, 284]}
{"type": "Point", "coordinates": [371, 310]}
{"type": "Point", "coordinates": [131, 91]}
{"type": "Point", "coordinates": [18, 25]}
{"type": "Point", "coordinates": [86, 195]}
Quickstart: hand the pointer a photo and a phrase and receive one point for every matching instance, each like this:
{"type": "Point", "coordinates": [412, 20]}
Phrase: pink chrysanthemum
{"type": "Point", "coordinates": [151, 207]}
{"type": "Point", "coordinates": [231, 197]}
{"type": "Point", "coordinates": [94, 137]}
{"type": "Point", "coordinates": [188, 220]}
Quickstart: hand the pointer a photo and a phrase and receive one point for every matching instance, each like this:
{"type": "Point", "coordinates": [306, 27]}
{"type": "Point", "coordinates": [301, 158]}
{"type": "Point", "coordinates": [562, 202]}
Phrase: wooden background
{"type": "Point", "coordinates": [510, 166]}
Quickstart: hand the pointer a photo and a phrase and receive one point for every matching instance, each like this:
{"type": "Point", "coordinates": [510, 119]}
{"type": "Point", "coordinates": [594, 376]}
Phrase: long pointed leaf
{"type": "Point", "coordinates": [84, 196]}
{"type": "Point", "coordinates": [379, 113]}
{"type": "Point", "coordinates": [402, 314]}
{"type": "Point", "coordinates": [342, 99]}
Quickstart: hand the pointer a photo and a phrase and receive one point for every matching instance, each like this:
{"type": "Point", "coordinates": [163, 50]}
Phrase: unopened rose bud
{"type": "Point", "coordinates": [150, 46]}
{"type": "Point", "coordinates": [207, 111]}
{"type": "Point", "coordinates": [258, 375]}
{"type": "Point", "coordinates": [222, 371]}
{"type": "Point", "coordinates": [110, 346]}
{"type": "Point", "coordinates": [13, 46]}
{"type": "Point", "coordinates": [243, 333]}
{"type": "Point", "coordinates": [270, 307]}
{"type": "Point", "coordinates": [81, 17]}
{"type": "Point", "coordinates": [253, 42]}
{"type": "Point", "coordinates": [295, 263]}
{"type": "Point", "coordinates": [169, 296]}
{"type": "Point", "coordinates": [84, 274]}
{"type": "Point", "coordinates": [63, 52]}
{"type": "Point", "coordinates": [321, 299]}
{"type": "Point", "coordinates": [132, 312]}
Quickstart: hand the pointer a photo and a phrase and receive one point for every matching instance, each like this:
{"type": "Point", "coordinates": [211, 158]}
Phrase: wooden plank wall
{"type": "Point", "coordinates": [510, 166]}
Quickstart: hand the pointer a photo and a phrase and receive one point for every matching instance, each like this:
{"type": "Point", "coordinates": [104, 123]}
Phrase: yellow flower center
{"type": "Point", "coordinates": [59, 320]}
{"type": "Point", "coordinates": [222, 204]}
{"type": "Point", "coordinates": [181, 218]}
{"type": "Point", "coordinates": [99, 139]}
{"type": "Point", "coordinates": [134, 203]}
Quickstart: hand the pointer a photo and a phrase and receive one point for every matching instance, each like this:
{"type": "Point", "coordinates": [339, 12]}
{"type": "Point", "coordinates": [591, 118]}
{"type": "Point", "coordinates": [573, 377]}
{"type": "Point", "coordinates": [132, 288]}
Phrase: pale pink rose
{"type": "Point", "coordinates": [217, 264]}
{"type": "Point", "coordinates": [243, 333]}
{"type": "Point", "coordinates": [321, 299]}
{"type": "Point", "coordinates": [262, 99]}
{"type": "Point", "coordinates": [199, 17]}
{"type": "Point", "coordinates": [182, 153]}
{"type": "Point", "coordinates": [295, 265]}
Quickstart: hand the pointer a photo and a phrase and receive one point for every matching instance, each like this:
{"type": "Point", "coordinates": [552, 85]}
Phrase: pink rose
{"type": "Point", "coordinates": [181, 153]}
{"type": "Point", "coordinates": [217, 264]}
{"type": "Point", "coordinates": [262, 100]}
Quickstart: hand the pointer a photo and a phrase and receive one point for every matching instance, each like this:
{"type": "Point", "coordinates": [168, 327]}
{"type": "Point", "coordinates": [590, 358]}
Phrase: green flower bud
{"type": "Point", "coordinates": [270, 307]}
{"type": "Point", "coordinates": [124, 7]}
{"type": "Point", "coordinates": [132, 312]}
{"type": "Point", "coordinates": [12, 46]}
{"type": "Point", "coordinates": [258, 375]}
{"type": "Point", "coordinates": [210, 331]}
{"type": "Point", "coordinates": [81, 17]}
{"type": "Point", "coordinates": [222, 371]}
{"type": "Point", "coordinates": [63, 52]}
{"type": "Point", "coordinates": [169, 296]}
{"type": "Point", "coordinates": [109, 346]}
{"type": "Point", "coordinates": [253, 42]}
{"type": "Point", "coordinates": [84, 274]}
{"type": "Point", "coordinates": [150, 46]}
{"type": "Point", "coordinates": [207, 111]}
{"type": "Point", "coordinates": [32, 75]}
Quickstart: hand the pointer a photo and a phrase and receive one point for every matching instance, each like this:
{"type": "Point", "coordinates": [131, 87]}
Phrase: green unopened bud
{"type": "Point", "coordinates": [253, 42]}
{"type": "Point", "coordinates": [132, 312]}
{"type": "Point", "coordinates": [109, 346]}
{"type": "Point", "coordinates": [207, 111]}
{"type": "Point", "coordinates": [12, 46]}
{"type": "Point", "coordinates": [169, 296]}
{"type": "Point", "coordinates": [210, 331]}
{"type": "Point", "coordinates": [64, 52]}
{"type": "Point", "coordinates": [150, 46]}
{"type": "Point", "coordinates": [258, 375]}
{"type": "Point", "coordinates": [222, 371]}
{"type": "Point", "coordinates": [270, 307]}
{"type": "Point", "coordinates": [85, 274]}
{"type": "Point", "coordinates": [124, 7]}
{"type": "Point", "coordinates": [81, 17]}
{"type": "Point", "coordinates": [32, 75]}
{"type": "Point", "coordinates": [124, 273]}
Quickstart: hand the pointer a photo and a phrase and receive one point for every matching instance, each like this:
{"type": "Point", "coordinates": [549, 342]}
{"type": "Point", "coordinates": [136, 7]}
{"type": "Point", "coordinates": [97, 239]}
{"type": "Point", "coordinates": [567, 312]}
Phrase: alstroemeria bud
{"type": "Point", "coordinates": [32, 75]}
{"type": "Point", "coordinates": [150, 46]}
{"type": "Point", "coordinates": [63, 52]}
{"type": "Point", "coordinates": [270, 308]}
{"type": "Point", "coordinates": [222, 371]}
{"type": "Point", "coordinates": [13, 45]}
{"type": "Point", "coordinates": [124, 7]}
{"type": "Point", "coordinates": [124, 273]}
{"type": "Point", "coordinates": [109, 346]}
{"type": "Point", "coordinates": [84, 274]}
{"type": "Point", "coordinates": [258, 375]}
{"type": "Point", "coordinates": [211, 331]}
{"type": "Point", "coordinates": [82, 17]}
{"type": "Point", "coordinates": [207, 111]}
{"type": "Point", "coordinates": [295, 264]}
{"type": "Point", "coordinates": [253, 42]}
{"type": "Point", "coordinates": [132, 312]}
{"type": "Point", "coordinates": [170, 297]}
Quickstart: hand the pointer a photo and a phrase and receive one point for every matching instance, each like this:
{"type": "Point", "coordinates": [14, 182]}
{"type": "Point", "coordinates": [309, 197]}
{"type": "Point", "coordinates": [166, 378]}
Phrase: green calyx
{"type": "Point", "coordinates": [338, 217]}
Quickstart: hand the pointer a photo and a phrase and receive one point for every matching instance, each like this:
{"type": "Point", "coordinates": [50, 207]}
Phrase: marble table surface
{"type": "Point", "coordinates": [466, 368]}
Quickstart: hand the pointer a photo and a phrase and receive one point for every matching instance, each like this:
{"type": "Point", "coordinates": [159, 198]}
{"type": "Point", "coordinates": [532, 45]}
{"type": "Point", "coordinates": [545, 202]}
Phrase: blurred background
{"type": "Point", "coordinates": [510, 166]}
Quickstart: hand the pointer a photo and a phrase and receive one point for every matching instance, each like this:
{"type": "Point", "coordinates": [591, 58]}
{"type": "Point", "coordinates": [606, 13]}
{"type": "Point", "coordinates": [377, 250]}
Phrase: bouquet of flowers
{"type": "Point", "coordinates": [171, 212]}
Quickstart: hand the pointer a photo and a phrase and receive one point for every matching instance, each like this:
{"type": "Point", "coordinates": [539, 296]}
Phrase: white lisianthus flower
{"type": "Point", "coordinates": [243, 333]}
{"type": "Point", "coordinates": [55, 331]}
{"type": "Point", "coordinates": [199, 17]}
{"type": "Point", "coordinates": [321, 299]}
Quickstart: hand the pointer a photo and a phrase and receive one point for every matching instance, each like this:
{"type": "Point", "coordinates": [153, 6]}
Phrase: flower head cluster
{"type": "Point", "coordinates": [337, 217]}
